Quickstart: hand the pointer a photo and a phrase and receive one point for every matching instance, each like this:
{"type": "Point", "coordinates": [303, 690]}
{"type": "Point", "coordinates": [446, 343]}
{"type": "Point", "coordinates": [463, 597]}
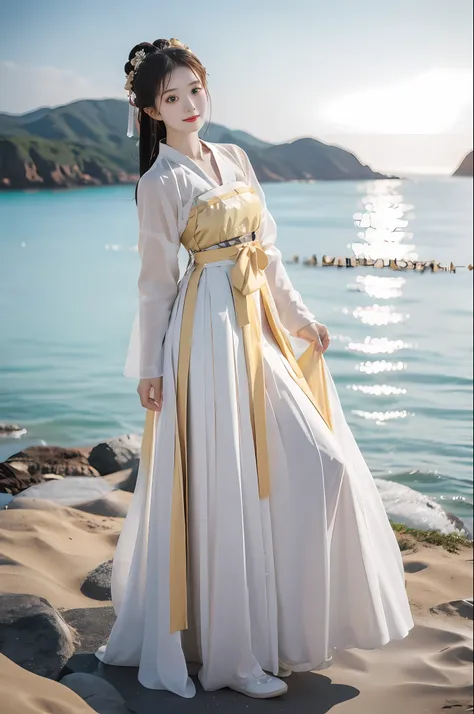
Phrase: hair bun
{"type": "Point", "coordinates": [147, 47]}
{"type": "Point", "coordinates": [161, 44]}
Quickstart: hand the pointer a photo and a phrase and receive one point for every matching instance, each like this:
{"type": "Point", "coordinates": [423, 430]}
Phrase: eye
{"type": "Point", "coordinates": [197, 89]}
{"type": "Point", "coordinates": [172, 96]}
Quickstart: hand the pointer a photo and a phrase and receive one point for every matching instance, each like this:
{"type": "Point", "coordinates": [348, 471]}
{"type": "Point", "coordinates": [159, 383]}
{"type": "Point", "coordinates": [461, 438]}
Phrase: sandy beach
{"type": "Point", "coordinates": [48, 550]}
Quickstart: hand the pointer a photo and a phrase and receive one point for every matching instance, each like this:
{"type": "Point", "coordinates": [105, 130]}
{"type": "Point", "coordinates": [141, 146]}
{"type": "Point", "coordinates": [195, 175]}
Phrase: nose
{"type": "Point", "coordinates": [191, 108]}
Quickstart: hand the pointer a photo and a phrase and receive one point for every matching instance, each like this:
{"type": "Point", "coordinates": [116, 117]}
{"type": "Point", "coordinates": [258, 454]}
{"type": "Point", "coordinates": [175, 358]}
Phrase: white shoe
{"type": "Point", "coordinates": [263, 687]}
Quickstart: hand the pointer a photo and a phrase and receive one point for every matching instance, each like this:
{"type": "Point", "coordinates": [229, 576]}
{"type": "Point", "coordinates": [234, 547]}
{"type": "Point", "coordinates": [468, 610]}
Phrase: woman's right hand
{"type": "Point", "coordinates": [150, 392]}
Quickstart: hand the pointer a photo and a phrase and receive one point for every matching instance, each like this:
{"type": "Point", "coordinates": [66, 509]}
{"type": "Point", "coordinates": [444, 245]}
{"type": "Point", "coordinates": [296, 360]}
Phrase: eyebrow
{"type": "Point", "coordinates": [175, 89]}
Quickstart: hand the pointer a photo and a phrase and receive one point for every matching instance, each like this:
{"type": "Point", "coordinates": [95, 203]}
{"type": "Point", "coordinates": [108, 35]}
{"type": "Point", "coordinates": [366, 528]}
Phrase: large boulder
{"type": "Point", "coordinates": [91, 495]}
{"type": "Point", "coordinates": [36, 464]}
{"type": "Point", "coordinates": [122, 452]}
{"type": "Point", "coordinates": [13, 480]}
{"type": "Point", "coordinates": [72, 491]}
{"type": "Point", "coordinates": [99, 694]}
{"type": "Point", "coordinates": [97, 585]}
{"type": "Point", "coordinates": [34, 635]}
{"type": "Point", "coordinates": [39, 460]}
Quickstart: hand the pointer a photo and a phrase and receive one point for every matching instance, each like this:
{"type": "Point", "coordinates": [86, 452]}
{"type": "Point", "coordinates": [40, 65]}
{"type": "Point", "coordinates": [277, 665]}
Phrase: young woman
{"type": "Point", "coordinates": [256, 541]}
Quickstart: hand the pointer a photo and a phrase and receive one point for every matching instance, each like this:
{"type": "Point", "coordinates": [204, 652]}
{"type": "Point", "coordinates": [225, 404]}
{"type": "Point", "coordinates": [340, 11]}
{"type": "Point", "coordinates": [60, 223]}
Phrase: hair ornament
{"type": "Point", "coordinates": [174, 42]}
{"type": "Point", "coordinates": [136, 61]}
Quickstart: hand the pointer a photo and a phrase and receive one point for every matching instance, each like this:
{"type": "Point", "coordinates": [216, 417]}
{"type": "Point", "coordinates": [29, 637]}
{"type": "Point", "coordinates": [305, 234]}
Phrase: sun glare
{"type": "Point", "coordinates": [428, 103]}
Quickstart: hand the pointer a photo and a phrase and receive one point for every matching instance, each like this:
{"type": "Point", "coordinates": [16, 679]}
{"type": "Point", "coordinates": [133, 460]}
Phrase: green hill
{"type": "Point", "coordinates": [85, 143]}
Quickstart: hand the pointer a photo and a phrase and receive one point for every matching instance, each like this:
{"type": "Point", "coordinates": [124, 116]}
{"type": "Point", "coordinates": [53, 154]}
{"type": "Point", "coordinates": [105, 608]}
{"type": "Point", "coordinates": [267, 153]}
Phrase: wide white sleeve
{"type": "Point", "coordinates": [292, 311]}
{"type": "Point", "coordinates": [158, 246]}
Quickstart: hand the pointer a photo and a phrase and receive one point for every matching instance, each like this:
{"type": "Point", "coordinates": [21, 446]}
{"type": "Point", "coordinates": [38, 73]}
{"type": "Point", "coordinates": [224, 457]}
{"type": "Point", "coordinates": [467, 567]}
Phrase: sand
{"type": "Point", "coordinates": [48, 550]}
{"type": "Point", "coordinates": [27, 693]}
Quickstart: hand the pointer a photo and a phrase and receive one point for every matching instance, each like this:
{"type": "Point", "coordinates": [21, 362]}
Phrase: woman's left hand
{"type": "Point", "coordinates": [316, 332]}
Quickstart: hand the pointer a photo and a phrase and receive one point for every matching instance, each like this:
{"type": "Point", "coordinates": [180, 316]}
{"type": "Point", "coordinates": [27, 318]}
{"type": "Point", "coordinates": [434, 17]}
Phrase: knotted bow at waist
{"type": "Point", "coordinates": [247, 275]}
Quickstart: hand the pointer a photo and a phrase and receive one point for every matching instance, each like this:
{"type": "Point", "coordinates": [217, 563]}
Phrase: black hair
{"type": "Point", "coordinates": [161, 57]}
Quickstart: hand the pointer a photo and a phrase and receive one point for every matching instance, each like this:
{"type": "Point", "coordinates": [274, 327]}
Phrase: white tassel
{"type": "Point", "coordinates": [131, 120]}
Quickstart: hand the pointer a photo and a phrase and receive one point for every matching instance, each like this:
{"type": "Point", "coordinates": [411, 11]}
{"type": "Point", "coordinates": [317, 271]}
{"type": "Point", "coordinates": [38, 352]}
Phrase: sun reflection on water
{"type": "Point", "coordinates": [381, 418]}
{"type": "Point", "coordinates": [379, 366]}
{"type": "Point", "coordinates": [377, 315]}
{"type": "Point", "coordinates": [379, 288]}
{"type": "Point", "coordinates": [383, 223]}
{"type": "Point", "coordinates": [377, 390]}
{"type": "Point", "coordinates": [378, 345]}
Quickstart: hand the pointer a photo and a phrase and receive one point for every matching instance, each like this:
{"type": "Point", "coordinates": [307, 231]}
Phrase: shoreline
{"type": "Point", "coordinates": [34, 466]}
{"type": "Point", "coordinates": [51, 551]}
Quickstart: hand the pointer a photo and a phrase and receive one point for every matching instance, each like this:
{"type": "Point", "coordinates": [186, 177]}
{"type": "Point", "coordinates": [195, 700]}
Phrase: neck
{"type": "Point", "coordinates": [188, 144]}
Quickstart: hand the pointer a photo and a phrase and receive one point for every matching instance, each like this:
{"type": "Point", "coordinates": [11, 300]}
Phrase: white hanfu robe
{"type": "Point", "coordinates": [287, 579]}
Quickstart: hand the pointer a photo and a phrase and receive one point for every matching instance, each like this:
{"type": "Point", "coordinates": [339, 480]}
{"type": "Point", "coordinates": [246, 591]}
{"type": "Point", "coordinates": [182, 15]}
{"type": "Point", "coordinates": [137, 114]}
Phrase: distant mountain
{"type": "Point", "coordinates": [85, 143]}
{"type": "Point", "coordinates": [465, 168]}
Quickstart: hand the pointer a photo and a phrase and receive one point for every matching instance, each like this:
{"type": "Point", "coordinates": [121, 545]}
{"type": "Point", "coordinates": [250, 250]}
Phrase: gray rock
{"type": "Point", "coordinates": [129, 483]}
{"type": "Point", "coordinates": [9, 429]}
{"type": "Point", "coordinates": [32, 504]}
{"type": "Point", "coordinates": [459, 524]}
{"type": "Point", "coordinates": [416, 510]}
{"type": "Point", "coordinates": [114, 504]}
{"type": "Point", "coordinates": [71, 491]}
{"type": "Point", "coordinates": [463, 608]}
{"type": "Point", "coordinates": [97, 692]}
{"type": "Point", "coordinates": [98, 583]}
{"type": "Point", "coordinates": [122, 452]}
{"type": "Point", "coordinates": [34, 635]}
{"type": "Point", "coordinates": [14, 479]}
{"type": "Point", "coordinates": [93, 624]}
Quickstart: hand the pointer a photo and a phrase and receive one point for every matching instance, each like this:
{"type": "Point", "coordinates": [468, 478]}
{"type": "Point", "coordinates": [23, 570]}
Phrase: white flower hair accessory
{"type": "Point", "coordinates": [135, 62]}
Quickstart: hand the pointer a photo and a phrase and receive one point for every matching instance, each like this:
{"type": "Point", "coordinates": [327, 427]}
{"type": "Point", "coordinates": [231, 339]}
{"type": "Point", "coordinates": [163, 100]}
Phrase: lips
{"type": "Point", "coordinates": [193, 118]}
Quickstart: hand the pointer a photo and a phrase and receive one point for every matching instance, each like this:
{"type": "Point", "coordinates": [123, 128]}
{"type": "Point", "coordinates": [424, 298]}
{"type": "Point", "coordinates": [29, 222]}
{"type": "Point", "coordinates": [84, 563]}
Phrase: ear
{"type": "Point", "coordinates": [153, 113]}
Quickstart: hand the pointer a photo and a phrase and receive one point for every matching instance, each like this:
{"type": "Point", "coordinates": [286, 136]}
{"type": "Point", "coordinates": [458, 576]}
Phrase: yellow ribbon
{"type": "Point", "coordinates": [247, 277]}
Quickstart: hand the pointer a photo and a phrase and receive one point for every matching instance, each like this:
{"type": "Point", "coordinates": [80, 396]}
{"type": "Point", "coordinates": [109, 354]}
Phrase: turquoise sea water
{"type": "Point", "coordinates": [402, 343]}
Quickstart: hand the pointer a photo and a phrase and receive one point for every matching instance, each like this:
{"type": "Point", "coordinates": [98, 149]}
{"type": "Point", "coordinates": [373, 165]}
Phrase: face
{"type": "Point", "coordinates": [183, 97]}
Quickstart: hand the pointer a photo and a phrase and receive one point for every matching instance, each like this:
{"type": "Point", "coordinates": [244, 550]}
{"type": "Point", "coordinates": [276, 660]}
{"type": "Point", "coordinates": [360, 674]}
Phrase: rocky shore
{"type": "Point", "coordinates": [61, 513]}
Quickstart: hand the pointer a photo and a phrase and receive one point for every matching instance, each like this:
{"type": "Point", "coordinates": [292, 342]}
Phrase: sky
{"type": "Point", "coordinates": [389, 80]}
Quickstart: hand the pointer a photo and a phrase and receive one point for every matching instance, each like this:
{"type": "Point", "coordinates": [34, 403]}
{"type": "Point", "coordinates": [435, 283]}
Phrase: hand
{"type": "Point", "coordinates": [150, 392]}
{"type": "Point", "coordinates": [315, 332]}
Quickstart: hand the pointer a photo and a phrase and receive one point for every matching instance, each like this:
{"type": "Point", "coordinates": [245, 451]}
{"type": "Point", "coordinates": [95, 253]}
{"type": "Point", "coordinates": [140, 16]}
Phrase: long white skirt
{"type": "Point", "coordinates": [286, 579]}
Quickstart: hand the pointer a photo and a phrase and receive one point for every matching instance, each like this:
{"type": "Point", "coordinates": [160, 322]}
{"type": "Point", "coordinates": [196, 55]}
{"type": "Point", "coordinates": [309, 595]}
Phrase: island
{"type": "Point", "coordinates": [84, 143]}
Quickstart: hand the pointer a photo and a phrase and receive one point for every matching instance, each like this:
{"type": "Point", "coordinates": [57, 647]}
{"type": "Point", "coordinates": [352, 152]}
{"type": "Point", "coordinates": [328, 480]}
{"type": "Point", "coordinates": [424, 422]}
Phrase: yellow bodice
{"type": "Point", "coordinates": [222, 217]}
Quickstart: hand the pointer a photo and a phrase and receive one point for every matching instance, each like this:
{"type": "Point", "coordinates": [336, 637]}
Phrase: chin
{"type": "Point", "coordinates": [194, 125]}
